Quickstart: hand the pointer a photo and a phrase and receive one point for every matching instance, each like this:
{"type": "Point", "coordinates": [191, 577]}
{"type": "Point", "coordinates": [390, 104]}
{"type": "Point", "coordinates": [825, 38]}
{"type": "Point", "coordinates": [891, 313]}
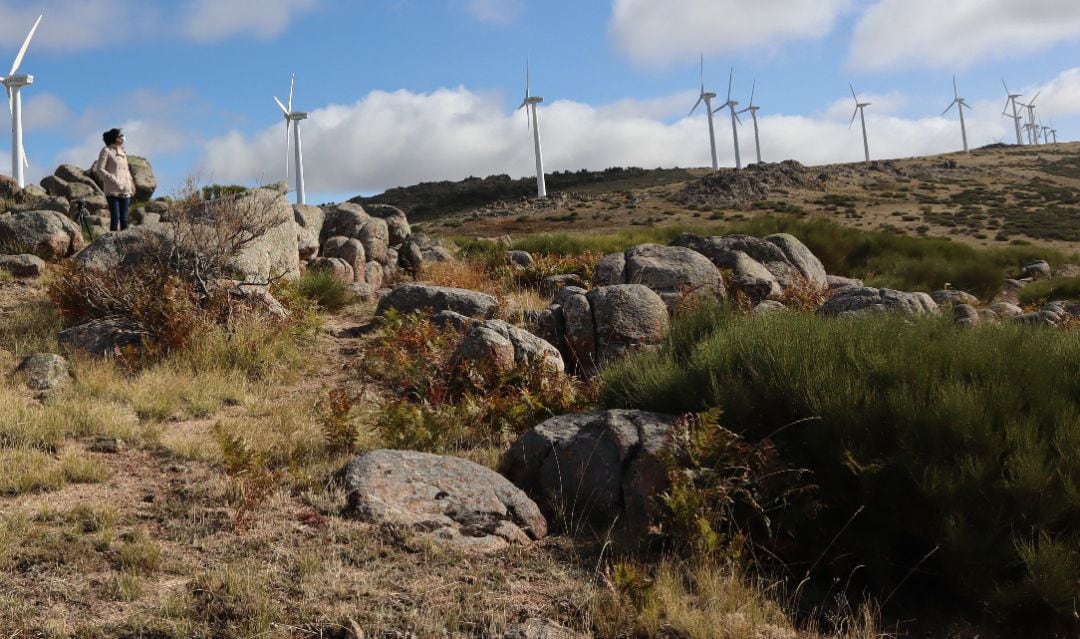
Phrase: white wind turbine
{"type": "Point", "coordinates": [14, 84]}
{"type": "Point", "coordinates": [731, 104]}
{"type": "Point", "coordinates": [1045, 132]}
{"type": "Point", "coordinates": [1015, 116]}
{"type": "Point", "coordinates": [706, 97]}
{"type": "Point", "coordinates": [292, 120]}
{"type": "Point", "coordinates": [1031, 128]}
{"type": "Point", "coordinates": [753, 114]}
{"type": "Point", "coordinates": [529, 104]}
{"type": "Point", "coordinates": [860, 112]}
{"type": "Point", "coordinates": [960, 105]}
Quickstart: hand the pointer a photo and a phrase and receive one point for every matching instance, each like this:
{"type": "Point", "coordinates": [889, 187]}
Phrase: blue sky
{"type": "Point", "coordinates": [402, 91]}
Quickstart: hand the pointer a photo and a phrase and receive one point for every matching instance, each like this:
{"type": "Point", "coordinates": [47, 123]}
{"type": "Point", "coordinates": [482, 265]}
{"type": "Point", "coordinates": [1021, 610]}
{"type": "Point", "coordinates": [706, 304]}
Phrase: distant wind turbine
{"type": "Point", "coordinates": [960, 105]}
{"type": "Point", "coordinates": [529, 104]}
{"type": "Point", "coordinates": [860, 112]}
{"type": "Point", "coordinates": [753, 114]}
{"type": "Point", "coordinates": [731, 104]}
{"type": "Point", "coordinates": [1031, 127]}
{"type": "Point", "coordinates": [14, 84]}
{"type": "Point", "coordinates": [1045, 132]}
{"type": "Point", "coordinates": [707, 97]}
{"type": "Point", "coordinates": [292, 120]}
{"type": "Point", "coordinates": [1015, 116]}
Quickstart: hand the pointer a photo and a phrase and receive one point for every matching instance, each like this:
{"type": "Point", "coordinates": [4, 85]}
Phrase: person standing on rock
{"type": "Point", "coordinates": [112, 168]}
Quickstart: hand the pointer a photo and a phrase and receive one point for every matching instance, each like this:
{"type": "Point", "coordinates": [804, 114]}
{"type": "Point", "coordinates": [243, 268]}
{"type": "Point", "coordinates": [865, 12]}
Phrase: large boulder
{"type": "Point", "coordinates": [22, 265]}
{"type": "Point", "coordinates": [44, 371]}
{"type": "Point", "coordinates": [143, 176]}
{"type": "Point", "coordinates": [503, 346]}
{"type": "Point", "coordinates": [672, 271]}
{"type": "Point", "coordinates": [274, 255]}
{"type": "Point", "coordinates": [857, 300]}
{"type": "Point", "coordinates": [801, 258]}
{"type": "Point", "coordinates": [74, 175]}
{"type": "Point", "coordinates": [125, 250]}
{"type": "Point", "coordinates": [350, 250]}
{"type": "Point", "coordinates": [352, 221]}
{"type": "Point", "coordinates": [396, 222]}
{"type": "Point", "coordinates": [789, 260]}
{"type": "Point", "coordinates": [102, 336]}
{"type": "Point", "coordinates": [595, 468]}
{"type": "Point", "coordinates": [47, 234]}
{"type": "Point", "coordinates": [310, 218]}
{"type": "Point", "coordinates": [409, 298]}
{"type": "Point", "coordinates": [376, 240]}
{"type": "Point", "coordinates": [753, 279]}
{"type": "Point", "coordinates": [338, 268]}
{"type": "Point", "coordinates": [626, 317]}
{"type": "Point", "coordinates": [953, 296]}
{"type": "Point", "coordinates": [453, 502]}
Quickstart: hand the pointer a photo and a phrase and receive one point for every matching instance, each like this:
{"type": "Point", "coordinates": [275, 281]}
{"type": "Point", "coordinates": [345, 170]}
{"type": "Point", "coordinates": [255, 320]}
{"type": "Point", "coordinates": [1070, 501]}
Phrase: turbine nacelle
{"type": "Point", "coordinates": [15, 81]}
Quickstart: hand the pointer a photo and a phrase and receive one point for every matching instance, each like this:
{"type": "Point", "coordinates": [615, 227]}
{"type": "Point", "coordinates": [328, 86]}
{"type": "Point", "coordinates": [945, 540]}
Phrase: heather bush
{"type": "Point", "coordinates": [945, 460]}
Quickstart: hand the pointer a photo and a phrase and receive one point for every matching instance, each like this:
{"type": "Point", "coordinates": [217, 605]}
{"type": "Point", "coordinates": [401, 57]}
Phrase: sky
{"type": "Point", "coordinates": [404, 91]}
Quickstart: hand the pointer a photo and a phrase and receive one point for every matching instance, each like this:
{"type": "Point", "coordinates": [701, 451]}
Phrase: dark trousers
{"type": "Point", "coordinates": [118, 212]}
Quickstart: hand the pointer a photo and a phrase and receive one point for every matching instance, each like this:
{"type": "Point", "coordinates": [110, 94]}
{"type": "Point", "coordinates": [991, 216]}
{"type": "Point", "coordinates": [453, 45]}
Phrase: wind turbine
{"type": "Point", "coordinates": [753, 114]}
{"type": "Point", "coordinates": [292, 120]}
{"type": "Point", "coordinates": [14, 84]}
{"type": "Point", "coordinates": [860, 112]}
{"type": "Point", "coordinates": [1032, 128]}
{"type": "Point", "coordinates": [1045, 132]}
{"type": "Point", "coordinates": [529, 104]}
{"type": "Point", "coordinates": [707, 97]}
{"type": "Point", "coordinates": [731, 104]}
{"type": "Point", "coordinates": [960, 105]}
{"type": "Point", "coordinates": [1015, 116]}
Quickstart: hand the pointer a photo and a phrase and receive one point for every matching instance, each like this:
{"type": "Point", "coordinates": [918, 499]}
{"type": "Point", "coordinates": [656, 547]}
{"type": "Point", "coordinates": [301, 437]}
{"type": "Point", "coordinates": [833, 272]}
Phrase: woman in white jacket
{"type": "Point", "coordinates": [112, 168]}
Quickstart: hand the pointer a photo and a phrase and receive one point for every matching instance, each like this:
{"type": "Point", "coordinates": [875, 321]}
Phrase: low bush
{"type": "Point", "coordinates": [322, 288]}
{"type": "Point", "coordinates": [441, 405]}
{"type": "Point", "coordinates": [945, 460]}
{"type": "Point", "coordinates": [1057, 288]}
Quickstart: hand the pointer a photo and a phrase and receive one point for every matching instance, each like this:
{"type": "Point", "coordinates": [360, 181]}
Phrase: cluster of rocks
{"type": "Point", "coordinates": [727, 188]}
{"type": "Point", "coordinates": [578, 470]}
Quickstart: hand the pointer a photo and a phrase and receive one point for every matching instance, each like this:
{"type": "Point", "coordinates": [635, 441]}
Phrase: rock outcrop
{"type": "Point", "coordinates": [673, 272]}
{"type": "Point", "coordinates": [855, 300]}
{"type": "Point", "coordinates": [409, 298]}
{"type": "Point", "coordinates": [596, 468]}
{"type": "Point", "coordinates": [451, 501]}
{"type": "Point", "coordinates": [46, 234]}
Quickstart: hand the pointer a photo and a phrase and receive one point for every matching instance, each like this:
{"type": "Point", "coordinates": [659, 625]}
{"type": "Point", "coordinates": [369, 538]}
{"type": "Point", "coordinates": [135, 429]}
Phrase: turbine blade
{"type": "Point", "coordinates": [291, 82]}
{"type": "Point", "coordinates": [736, 114]}
{"type": "Point", "coordinates": [527, 80]}
{"type": "Point", "coordinates": [702, 73]}
{"type": "Point", "coordinates": [10, 101]}
{"type": "Point", "coordinates": [25, 160]}
{"type": "Point", "coordinates": [281, 106]}
{"type": "Point", "coordinates": [696, 105]}
{"type": "Point", "coordinates": [730, 79]}
{"type": "Point", "coordinates": [949, 107]}
{"type": "Point", "coordinates": [853, 116]}
{"type": "Point", "coordinates": [753, 88]}
{"type": "Point", "coordinates": [1007, 92]}
{"type": "Point", "coordinates": [1032, 103]}
{"type": "Point", "coordinates": [25, 45]}
{"type": "Point", "coordinates": [956, 93]}
{"type": "Point", "coordinates": [853, 93]}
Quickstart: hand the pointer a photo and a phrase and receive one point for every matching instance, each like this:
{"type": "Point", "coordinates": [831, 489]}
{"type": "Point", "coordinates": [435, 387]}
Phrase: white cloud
{"type": "Point", "coordinates": [400, 138]}
{"type": "Point", "coordinates": [655, 34]}
{"type": "Point", "coordinates": [955, 34]}
{"type": "Point", "coordinates": [73, 25]}
{"type": "Point", "coordinates": [43, 111]}
{"type": "Point", "coordinates": [211, 20]}
{"type": "Point", "coordinates": [494, 11]}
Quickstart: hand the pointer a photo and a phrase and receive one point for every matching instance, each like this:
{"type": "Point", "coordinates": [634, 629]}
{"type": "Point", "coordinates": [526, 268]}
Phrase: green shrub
{"type": "Point", "coordinates": [947, 461]}
{"type": "Point", "coordinates": [324, 289]}
{"type": "Point", "coordinates": [1057, 288]}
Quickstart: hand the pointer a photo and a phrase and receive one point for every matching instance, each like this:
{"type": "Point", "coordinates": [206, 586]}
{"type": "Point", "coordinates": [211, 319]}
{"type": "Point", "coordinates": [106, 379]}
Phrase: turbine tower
{"type": "Point", "coordinates": [731, 104]}
{"type": "Point", "coordinates": [753, 114]}
{"type": "Point", "coordinates": [860, 112]}
{"type": "Point", "coordinates": [960, 105]}
{"type": "Point", "coordinates": [707, 97]}
{"type": "Point", "coordinates": [14, 84]}
{"type": "Point", "coordinates": [292, 120]}
{"type": "Point", "coordinates": [1015, 116]}
{"type": "Point", "coordinates": [529, 104]}
{"type": "Point", "coordinates": [1031, 128]}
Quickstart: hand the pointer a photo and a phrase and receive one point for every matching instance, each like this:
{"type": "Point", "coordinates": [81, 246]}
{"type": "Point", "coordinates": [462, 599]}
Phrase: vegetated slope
{"type": "Point", "coordinates": [993, 196]}
{"type": "Point", "coordinates": [429, 200]}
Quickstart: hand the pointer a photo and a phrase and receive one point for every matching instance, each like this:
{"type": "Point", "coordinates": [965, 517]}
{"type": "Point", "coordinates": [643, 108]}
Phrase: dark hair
{"type": "Point", "coordinates": [110, 136]}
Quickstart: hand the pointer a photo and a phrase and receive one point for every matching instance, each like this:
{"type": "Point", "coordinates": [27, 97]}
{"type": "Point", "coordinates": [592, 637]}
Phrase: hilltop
{"type": "Point", "coordinates": [994, 196]}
